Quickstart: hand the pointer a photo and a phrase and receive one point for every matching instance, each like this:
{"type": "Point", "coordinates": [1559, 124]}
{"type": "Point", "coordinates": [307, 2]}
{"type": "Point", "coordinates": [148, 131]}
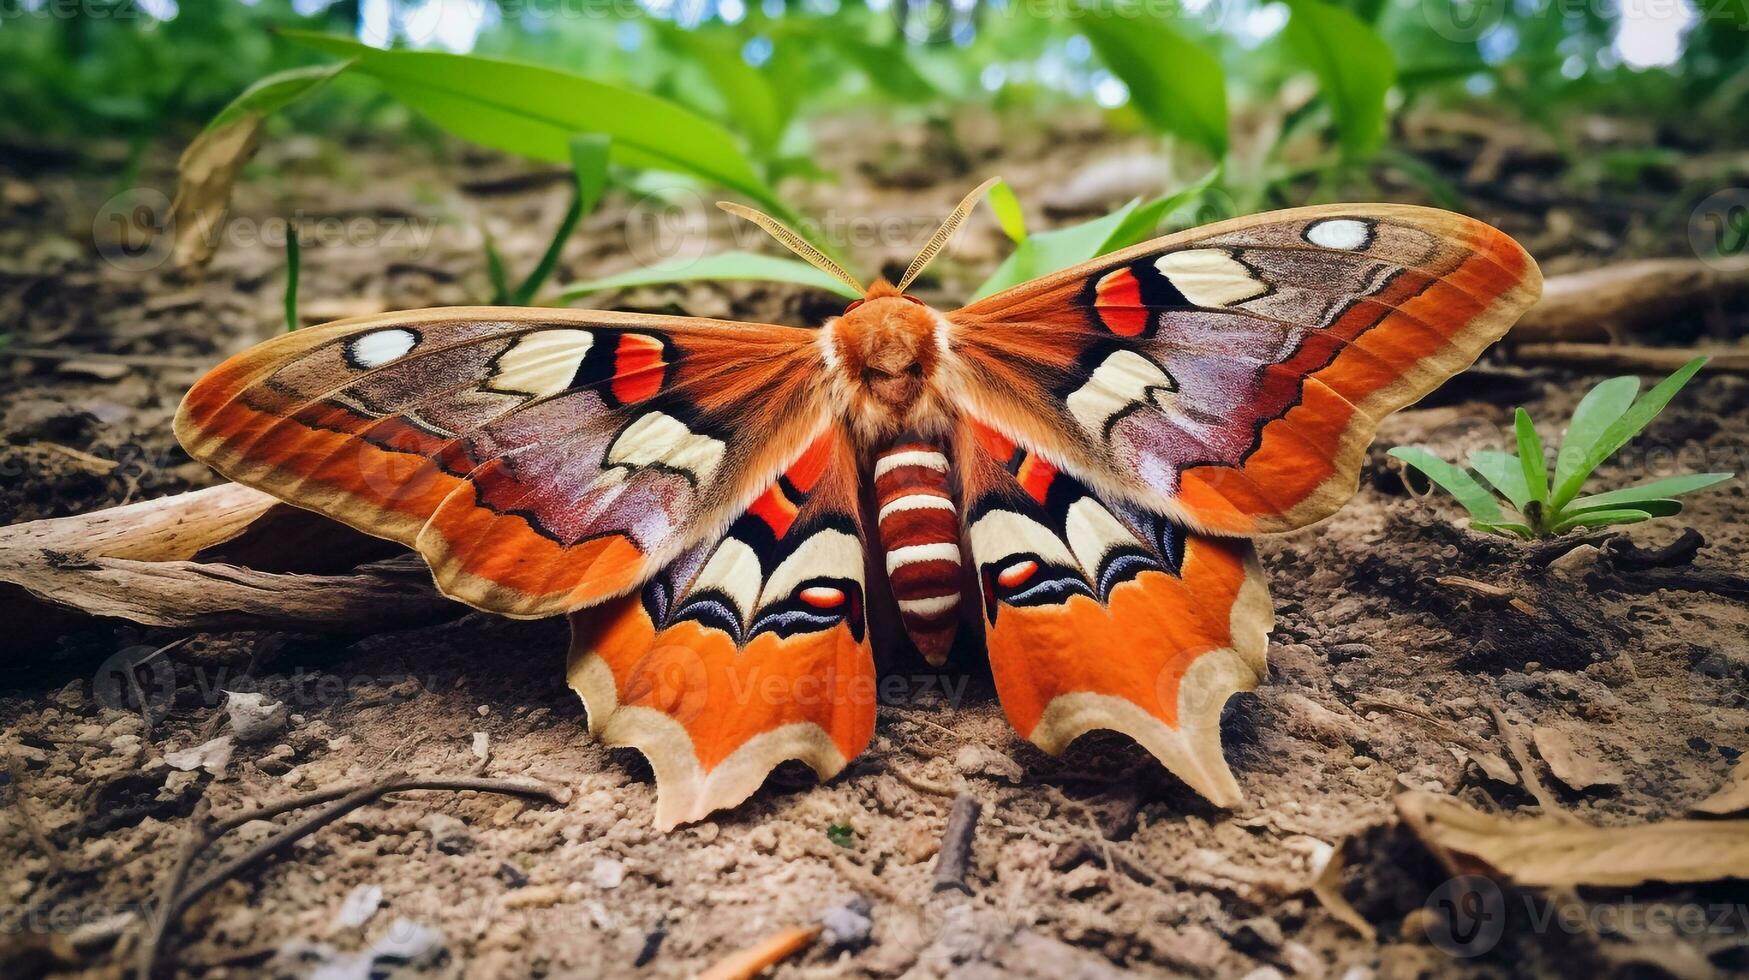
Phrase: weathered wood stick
{"type": "Point", "coordinates": [956, 845]}
{"type": "Point", "coordinates": [1620, 357]}
{"type": "Point", "coordinates": [1599, 303]}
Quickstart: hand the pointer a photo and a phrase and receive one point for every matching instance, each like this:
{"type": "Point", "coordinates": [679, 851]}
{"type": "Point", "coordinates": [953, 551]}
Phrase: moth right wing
{"type": "Point", "coordinates": [1099, 614]}
{"type": "Point", "coordinates": [541, 460]}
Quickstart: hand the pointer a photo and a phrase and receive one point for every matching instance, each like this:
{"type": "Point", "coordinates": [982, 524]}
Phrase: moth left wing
{"type": "Point", "coordinates": [541, 460]}
{"type": "Point", "coordinates": [748, 649]}
{"type": "Point", "coordinates": [1099, 614]}
{"type": "Point", "coordinates": [1232, 375]}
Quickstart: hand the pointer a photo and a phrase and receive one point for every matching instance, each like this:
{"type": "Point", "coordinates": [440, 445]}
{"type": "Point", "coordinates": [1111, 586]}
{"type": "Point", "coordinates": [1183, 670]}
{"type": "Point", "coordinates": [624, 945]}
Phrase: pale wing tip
{"type": "Point", "coordinates": [685, 791]}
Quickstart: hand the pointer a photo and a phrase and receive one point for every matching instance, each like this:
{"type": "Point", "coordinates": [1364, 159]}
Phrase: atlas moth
{"type": "Point", "coordinates": [1067, 475]}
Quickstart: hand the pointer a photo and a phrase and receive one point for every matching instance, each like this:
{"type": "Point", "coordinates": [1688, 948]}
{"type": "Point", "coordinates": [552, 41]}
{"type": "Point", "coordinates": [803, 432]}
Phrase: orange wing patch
{"type": "Point", "coordinates": [744, 652]}
{"type": "Point", "coordinates": [1104, 616]}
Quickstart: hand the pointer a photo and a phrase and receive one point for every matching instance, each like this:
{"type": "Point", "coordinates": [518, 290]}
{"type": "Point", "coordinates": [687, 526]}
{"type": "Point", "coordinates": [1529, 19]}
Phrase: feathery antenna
{"type": "Point", "coordinates": [938, 241]}
{"type": "Point", "coordinates": [794, 242]}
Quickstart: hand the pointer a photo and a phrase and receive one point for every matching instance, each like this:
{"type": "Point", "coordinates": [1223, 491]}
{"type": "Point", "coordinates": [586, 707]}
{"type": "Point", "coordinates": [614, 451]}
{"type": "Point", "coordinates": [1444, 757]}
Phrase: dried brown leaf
{"type": "Point", "coordinates": [1552, 852]}
{"type": "Point", "coordinates": [1578, 770]}
{"type": "Point", "coordinates": [205, 175]}
{"type": "Point", "coordinates": [1731, 797]}
{"type": "Point", "coordinates": [1326, 887]}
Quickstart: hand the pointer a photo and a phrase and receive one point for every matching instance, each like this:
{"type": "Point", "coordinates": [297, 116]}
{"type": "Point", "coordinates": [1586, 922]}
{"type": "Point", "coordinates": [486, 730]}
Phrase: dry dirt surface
{"type": "Point", "coordinates": [1387, 664]}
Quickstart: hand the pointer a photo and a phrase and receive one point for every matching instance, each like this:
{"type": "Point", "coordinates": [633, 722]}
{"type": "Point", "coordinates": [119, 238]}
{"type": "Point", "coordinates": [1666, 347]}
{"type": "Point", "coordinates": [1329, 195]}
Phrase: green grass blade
{"type": "Point", "coordinates": [1007, 209]}
{"type": "Point", "coordinates": [1175, 83]}
{"type": "Point", "coordinates": [717, 266]}
{"type": "Point", "coordinates": [1508, 528]}
{"type": "Point", "coordinates": [1355, 69]}
{"type": "Point", "coordinates": [495, 272]}
{"type": "Point", "coordinates": [293, 261]}
{"type": "Point", "coordinates": [1600, 406]}
{"type": "Point", "coordinates": [1453, 480]}
{"type": "Point", "coordinates": [589, 154]}
{"type": "Point", "coordinates": [1530, 457]}
{"type": "Point", "coordinates": [535, 111]}
{"type": "Point", "coordinates": [1624, 428]}
{"type": "Point", "coordinates": [1670, 486]}
{"type": "Point", "coordinates": [1602, 518]}
{"type": "Point", "coordinates": [1505, 473]}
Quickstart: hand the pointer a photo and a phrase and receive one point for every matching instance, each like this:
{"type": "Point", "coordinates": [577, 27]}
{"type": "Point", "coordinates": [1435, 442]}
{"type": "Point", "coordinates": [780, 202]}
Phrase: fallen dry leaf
{"type": "Point", "coordinates": [1578, 770]}
{"type": "Point", "coordinates": [1326, 887]}
{"type": "Point", "coordinates": [1552, 853]}
{"type": "Point", "coordinates": [224, 558]}
{"type": "Point", "coordinates": [205, 175]}
{"type": "Point", "coordinates": [1731, 797]}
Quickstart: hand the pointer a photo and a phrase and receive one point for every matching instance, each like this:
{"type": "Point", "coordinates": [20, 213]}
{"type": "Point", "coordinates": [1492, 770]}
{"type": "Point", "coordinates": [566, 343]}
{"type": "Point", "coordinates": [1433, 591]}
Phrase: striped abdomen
{"type": "Point", "coordinates": [920, 535]}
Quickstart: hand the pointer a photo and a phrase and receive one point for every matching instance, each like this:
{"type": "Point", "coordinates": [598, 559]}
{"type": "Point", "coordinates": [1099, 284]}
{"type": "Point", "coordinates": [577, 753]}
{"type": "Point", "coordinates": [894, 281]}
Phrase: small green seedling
{"type": "Point", "coordinates": [1607, 417]}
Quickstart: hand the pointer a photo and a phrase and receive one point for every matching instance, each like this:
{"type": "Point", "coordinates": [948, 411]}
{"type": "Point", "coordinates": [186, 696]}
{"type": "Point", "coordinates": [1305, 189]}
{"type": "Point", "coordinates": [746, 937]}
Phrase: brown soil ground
{"type": "Point", "coordinates": [1089, 865]}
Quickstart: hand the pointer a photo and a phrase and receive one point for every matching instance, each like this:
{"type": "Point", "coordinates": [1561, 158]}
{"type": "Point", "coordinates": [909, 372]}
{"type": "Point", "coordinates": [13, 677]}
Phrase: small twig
{"type": "Point", "coordinates": [1486, 590]}
{"type": "Point", "coordinates": [130, 360]}
{"type": "Point", "coordinates": [922, 785]}
{"type": "Point", "coordinates": [956, 844]}
{"type": "Point", "coordinates": [1526, 767]}
{"type": "Point", "coordinates": [1618, 357]}
{"type": "Point", "coordinates": [1367, 704]}
{"type": "Point", "coordinates": [176, 899]}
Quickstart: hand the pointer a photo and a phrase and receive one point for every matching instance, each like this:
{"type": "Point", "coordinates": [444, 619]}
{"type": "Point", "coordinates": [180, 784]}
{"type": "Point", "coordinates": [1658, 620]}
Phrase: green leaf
{"type": "Point", "coordinates": [716, 266]}
{"type": "Point", "coordinates": [1602, 518]}
{"type": "Point", "coordinates": [1600, 406]}
{"type": "Point", "coordinates": [1044, 252]}
{"type": "Point", "coordinates": [1453, 480]}
{"type": "Point", "coordinates": [1355, 69]}
{"type": "Point", "coordinates": [1007, 209]}
{"type": "Point", "coordinates": [1144, 222]}
{"type": "Point", "coordinates": [749, 98]}
{"type": "Point", "coordinates": [1505, 473]}
{"type": "Point", "coordinates": [589, 153]}
{"type": "Point", "coordinates": [1624, 428]}
{"type": "Point", "coordinates": [1530, 457]}
{"type": "Point", "coordinates": [1657, 507]}
{"type": "Point", "coordinates": [888, 66]}
{"type": "Point", "coordinates": [1670, 486]}
{"type": "Point", "coordinates": [1175, 83]}
{"type": "Point", "coordinates": [276, 91]}
{"type": "Point", "coordinates": [535, 111]}
{"type": "Point", "coordinates": [1047, 251]}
